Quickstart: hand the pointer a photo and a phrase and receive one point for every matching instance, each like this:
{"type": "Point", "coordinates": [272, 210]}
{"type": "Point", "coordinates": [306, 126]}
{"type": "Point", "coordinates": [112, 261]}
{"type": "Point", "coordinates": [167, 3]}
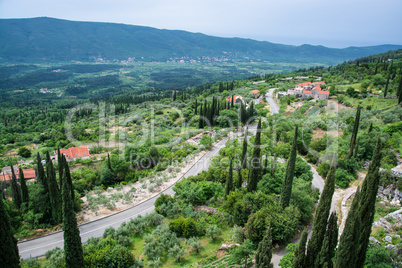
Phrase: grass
{"type": "Point", "coordinates": [377, 103]}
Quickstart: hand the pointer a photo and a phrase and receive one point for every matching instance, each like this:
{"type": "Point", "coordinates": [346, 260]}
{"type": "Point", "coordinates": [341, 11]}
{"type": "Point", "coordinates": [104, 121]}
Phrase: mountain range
{"type": "Point", "coordinates": [50, 39]}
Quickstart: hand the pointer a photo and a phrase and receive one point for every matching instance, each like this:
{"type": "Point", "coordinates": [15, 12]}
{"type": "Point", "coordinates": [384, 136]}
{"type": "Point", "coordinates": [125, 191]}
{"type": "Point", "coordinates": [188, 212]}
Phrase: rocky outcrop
{"type": "Point", "coordinates": [390, 194]}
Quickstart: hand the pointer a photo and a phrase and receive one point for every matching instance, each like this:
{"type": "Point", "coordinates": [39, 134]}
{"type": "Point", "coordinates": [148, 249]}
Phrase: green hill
{"type": "Point", "coordinates": [47, 39]}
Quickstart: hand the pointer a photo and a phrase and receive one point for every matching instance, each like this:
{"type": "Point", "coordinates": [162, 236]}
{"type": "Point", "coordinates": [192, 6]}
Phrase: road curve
{"type": "Point", "coordinates": [39, 246]}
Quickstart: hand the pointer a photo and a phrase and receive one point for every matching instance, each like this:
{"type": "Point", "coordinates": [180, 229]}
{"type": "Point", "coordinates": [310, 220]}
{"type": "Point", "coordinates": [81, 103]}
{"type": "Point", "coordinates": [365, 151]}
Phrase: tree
{"type": "Point", "coordinates": [69, 180]}
{"type": "Point", "coordinates": [300, 252]}
{"type": "Point", "coordinates": [15, 189]}
{"type": "Point", "coordinates": [356, 148]}
{"type": "Point", "coordinates": [355, 130]}
{"type": "Point", "coordinates": [24, 152]}
{"type": "Point", "coordinates": [109, 165]}
{"type": "Point", "coordinates": [194, 243]}
{"type": "Point", "coordinates": [264, 252]}
{"type": "Point", "coordinates": [54, 193]}
{"type": "Point", "coordinates": [177, 252]}
{"type": "Point", "coordinates": [24, 188]}
{"type": "Point", "coordinates": [367, 203]}
{"type": "Point", "coordinates": [239, 181]}
{"type": "Point", "coordinates": [321, 218]}
{"type": "Point", "coordinates": [327, 252]}
{"type": "Point", "coordinates": [389, 76]}
{"type": "Point", "coordinates": [229, 179]}
{"type": "Point", "coordinates": [346, 254]}
{"type": "Point", "coordinates": [60, 165]}
{"type": "Point", "coordinates": [242, 253]}
{"type": "Point", "coordinates": [213, 231]}
{"type": "Point", "coordinates": [72, 240]}
{"type": "Point", "coordinates": [9, 256]}
{"type": "Point", "coordinates": [255, 168]}
{"type": "Point", "coordinates": [290, 170]}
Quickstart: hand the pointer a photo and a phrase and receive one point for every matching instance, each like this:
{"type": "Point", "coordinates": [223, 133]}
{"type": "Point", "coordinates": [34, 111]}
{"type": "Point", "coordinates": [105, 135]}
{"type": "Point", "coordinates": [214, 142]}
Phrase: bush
{"type": "Point", "coordinates": [342, 178]}
{"type": "Point", "coordinates": [162, 199]}
{"type": "Point", "coordinates": [183, 227]}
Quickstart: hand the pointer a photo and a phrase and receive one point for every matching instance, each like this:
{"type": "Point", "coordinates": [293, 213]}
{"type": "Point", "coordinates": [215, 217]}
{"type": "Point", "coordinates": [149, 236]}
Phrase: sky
{"type": "Point", "coordinates": [331, 23]}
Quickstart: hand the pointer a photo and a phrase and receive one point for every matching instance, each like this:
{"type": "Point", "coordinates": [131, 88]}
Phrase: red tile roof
{"type": "Point", "coordinates": [307, 91]}
{"type": "Point", "coordinates": [74, 152]}
{"type": "Point", "coordinates": [29, 173]}
{"type": "Point", "coordinates": [317, 88]}
{"type": "Point", "coordinates": [319, 83]}
{"type": "Point", "coordinates": [324, 92]}
{"type": "Point", "coordinates": [305, 84]}
{"type": "Point", "coordinates": [255, 91]}
{"type": "Point", "coordinates": [261, 101]}
{"type": "Point", "coordinates": [235, 98]}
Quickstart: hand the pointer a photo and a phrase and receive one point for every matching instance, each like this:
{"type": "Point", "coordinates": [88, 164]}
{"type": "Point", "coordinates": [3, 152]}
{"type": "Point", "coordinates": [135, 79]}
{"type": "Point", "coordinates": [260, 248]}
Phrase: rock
{"type": "Point", "coordinates": [208, 210]}
{"type": "Point", "coordinates": [394, 247]}
{"type": "Point", "coordinates": [395, 202]}
{"type": "Point", "coordinates": [374, 241]}
{"type": "Point", "coordinates": [382, 222]}
{"type": "Point", "coordinates": [388, 239]}
{"type": "Point", "coordinates": [276, 246]}
{"type": "Point", "coordinates": [228, 246]}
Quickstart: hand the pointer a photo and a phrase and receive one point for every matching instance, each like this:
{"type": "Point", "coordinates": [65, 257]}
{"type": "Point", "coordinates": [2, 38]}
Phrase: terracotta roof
{"type": "Point", "coordinates": [305, 84]}
{"type": "Point", "coordinates": [74, 152]}
{"type": "Point", "coordinates": [324, 92]}
{"type": "Point", "coordinates": [317, 88]}
{"type": "Point", "coordinates": [235, 98]}
{"type": "Point", "coordinates": [261, 101]}
{"type": "Point", "coordinates": [319, 83]}
{"type": "Point", "coordinates": [307, 91]}
{"type": "Point", "coordinates": [255, 91]}
{"type": "Point", "coordinates": [29, 173]}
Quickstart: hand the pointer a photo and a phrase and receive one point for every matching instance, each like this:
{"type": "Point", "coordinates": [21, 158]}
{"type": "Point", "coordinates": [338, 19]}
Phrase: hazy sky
{"type": "Point", "coordinates": [333, 23]}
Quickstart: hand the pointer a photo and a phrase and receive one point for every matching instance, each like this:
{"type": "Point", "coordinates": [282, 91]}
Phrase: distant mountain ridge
{"type": "Point", "coordinates": [52, 39]}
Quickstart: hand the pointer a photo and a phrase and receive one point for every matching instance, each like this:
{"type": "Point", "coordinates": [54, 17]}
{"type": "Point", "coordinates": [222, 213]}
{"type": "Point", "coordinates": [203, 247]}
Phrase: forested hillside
{"type": "Point", "coordinates": [48, 39]}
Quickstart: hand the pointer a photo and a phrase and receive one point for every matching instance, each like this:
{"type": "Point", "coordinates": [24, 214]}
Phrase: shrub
{"type": "Point", "coordinates": [183, 227]}
{"type": "Point", "coordinates": [213, 231]}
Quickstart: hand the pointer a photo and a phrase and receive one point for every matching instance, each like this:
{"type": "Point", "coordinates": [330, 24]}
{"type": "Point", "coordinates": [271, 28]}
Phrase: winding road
{"type": "Point", "coordinates": [39, 246]}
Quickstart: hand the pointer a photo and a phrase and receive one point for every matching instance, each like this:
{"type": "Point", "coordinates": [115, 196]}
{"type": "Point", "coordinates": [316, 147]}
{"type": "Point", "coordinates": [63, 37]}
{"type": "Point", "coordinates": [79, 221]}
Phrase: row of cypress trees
{"type": "Point", "coordinates": [352, 248]}
{"type": "Point", "coordinates": [61, 209]}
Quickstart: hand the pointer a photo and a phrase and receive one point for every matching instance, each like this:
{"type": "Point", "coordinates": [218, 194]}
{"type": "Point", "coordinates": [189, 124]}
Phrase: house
{"type": "Point", "coordinates": [293, 92]}
{"type": "Point", "coordinates": [255, 94]}
{"type": "Point", "coordinates": [29, 174]}
{"type": "Point", "coordinates": [319, 83]}
{"type": "Point", "coordinates": [281, 94]}
{"type": "Point", "coordinates": [323, 95]}
{"type": "Point", "coordinates": [75, 152]}
{"type": "Point", "coordinates": [303, 86]}
{"type": "Point", "coordinates": [315, 92]}
{"type": "Point", "coordinates": [237, 99]}
{"type": "Point", "coordinates": [306, 94]}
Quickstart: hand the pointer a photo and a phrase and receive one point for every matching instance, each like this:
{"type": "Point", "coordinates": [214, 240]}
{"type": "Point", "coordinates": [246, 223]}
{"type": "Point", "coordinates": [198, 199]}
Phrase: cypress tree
{"type": "Point", "coordinates": [72, 240]}
{"type": "Point", "coordinates": [60, 166]}
{"type": "Point", "coordinates": [229, 179]}
{"type": "Point", "coordinates": [255, 168]}
{"type": "Point", "coordinates": [300, 252]}
{"type": "Point", "coordinates": [239, 179]}
{"type": "Point", "coordinates": [244, 152]}
{"type": "Point", "coordinates": [346, 254]}
{"type": "Point", "coordinates": [355, 130]}
{"type": "Point", "coordinates": [232, 102]}
{"type": "Point", "coordinates": [321, 218]}
{"type": "Point", "coordinates": [54, 193]}
{"type": "Point", "coordinates": [273, 166]}
{"type": "Point", "coordinates": [174, 95]}
{"type": "Point", "coordinates": [356, 148]}
{"type": "Point", "coordinates": [370, 128]}
{"type": "Point", "coordinates": [367, 203]}
{"type": "Point", "coordinates": [9, 256]}
{"type": "Point", "coordinates": [195, 107]}
{"type": "Point", "coordinates": [42, 179]}
{"type": "Point", "coordinates": [41, 173]}
{"type": "Point", "coordinates": [109, 165]}
{"type": "Point", "coordinates": [69, 180]}
{"type": "Point", "coordinates": [327, 252]}
{"type": "Point", "coordinates": [16, 191]}
{"type": "Point", "coordinates": [290, 170]}
{"type": "Point", "coordinates": [24, 188]}
{"type": "Point", "coordinates": [264, 252]}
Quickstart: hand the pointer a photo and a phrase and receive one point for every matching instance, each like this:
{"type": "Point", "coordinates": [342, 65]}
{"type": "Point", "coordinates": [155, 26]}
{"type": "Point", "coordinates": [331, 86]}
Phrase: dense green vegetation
{"type": "Point", "coordinates": [149, 134]}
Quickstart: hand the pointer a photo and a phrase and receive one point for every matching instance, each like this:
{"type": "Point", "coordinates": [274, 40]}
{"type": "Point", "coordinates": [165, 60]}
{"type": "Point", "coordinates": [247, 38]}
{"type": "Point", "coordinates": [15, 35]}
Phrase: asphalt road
{"type": "Point", "coordinates": [272, 103]}
{"type": "Point", "coordinates": [38, 247]}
